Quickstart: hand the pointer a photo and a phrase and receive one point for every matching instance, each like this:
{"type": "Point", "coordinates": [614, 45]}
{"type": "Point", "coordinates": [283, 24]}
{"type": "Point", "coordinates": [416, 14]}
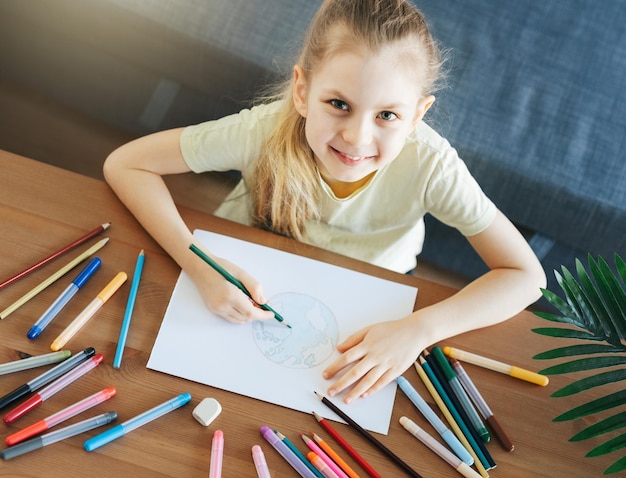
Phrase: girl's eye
{"type": "Point", "coordinates": [340, 105]}
{"type": "Point", "coordinates": [387, 116]}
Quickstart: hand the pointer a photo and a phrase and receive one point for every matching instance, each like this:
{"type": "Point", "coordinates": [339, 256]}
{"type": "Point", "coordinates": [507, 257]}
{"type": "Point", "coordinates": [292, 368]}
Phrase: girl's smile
{"type": "Point", "coordinates": [350, 160]}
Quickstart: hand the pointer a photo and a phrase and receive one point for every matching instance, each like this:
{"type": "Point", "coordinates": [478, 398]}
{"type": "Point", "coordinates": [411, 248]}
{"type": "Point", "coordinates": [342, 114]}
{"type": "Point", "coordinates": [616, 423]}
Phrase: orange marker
{"type": "Point", "coordinates": [88, 312]}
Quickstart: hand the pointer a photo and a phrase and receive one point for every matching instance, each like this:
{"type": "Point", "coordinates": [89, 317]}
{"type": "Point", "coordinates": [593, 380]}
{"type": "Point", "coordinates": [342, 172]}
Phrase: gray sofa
{"type": "Point", "coordinates": [535, 100]}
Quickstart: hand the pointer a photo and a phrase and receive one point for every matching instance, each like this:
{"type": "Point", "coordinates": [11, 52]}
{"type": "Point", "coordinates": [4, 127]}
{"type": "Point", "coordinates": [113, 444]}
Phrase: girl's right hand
{"type": "Point", "coordinates": [225, 299]}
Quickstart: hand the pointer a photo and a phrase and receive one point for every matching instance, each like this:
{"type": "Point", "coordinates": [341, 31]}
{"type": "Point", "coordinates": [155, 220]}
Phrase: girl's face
{"type": "Point", "coordinates": [359, 109]}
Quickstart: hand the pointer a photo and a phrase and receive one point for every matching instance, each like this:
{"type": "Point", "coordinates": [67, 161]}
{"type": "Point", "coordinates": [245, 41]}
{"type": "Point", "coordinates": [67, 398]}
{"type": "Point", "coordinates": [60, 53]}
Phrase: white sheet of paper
{"type": "Point", "coordinates": [266, 360]}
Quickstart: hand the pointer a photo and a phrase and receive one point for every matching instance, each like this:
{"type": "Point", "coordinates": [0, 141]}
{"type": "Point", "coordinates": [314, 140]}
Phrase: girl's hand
{"type": "Point", "coordinates": [225, 299]}
{"type": "Point", "coordinates": [376, 355]}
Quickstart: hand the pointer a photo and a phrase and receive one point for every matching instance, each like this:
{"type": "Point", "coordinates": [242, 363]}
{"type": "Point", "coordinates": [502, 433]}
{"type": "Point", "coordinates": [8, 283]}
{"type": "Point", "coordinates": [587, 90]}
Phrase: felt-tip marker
{"type": "Point", "coordinates": [136, 422]}
{"type": "Point", "coordinates": [46, 377]}
{"type": "Point", "coordinates": [34, 361]}
{"type": "Point", "coordinates": [63, 299]}
{"type": "Point", "coordinates": [445, 433]}
{"type": "Point", "coordinates": [88, 312]}
{"type": "Point", "coordinates": [57, 435]}
{"type": "Point", "coordinates": [56, 386]}
{"type": "Point", "coordinates": [60, 416]}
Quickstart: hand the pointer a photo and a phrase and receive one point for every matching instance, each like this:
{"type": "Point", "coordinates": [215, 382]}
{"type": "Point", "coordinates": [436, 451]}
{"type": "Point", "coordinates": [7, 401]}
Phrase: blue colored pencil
{"type": "Point", "coordinates": [132, 295]}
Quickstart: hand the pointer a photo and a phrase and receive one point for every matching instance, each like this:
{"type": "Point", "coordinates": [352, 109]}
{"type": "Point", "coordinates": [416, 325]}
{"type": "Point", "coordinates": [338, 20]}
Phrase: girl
{"type": "Point", "coordinates": [342, 160]}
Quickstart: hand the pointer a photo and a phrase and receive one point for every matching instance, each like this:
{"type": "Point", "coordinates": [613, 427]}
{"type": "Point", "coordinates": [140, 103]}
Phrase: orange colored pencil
{"type": "Point", "coordinates": [334, 456]}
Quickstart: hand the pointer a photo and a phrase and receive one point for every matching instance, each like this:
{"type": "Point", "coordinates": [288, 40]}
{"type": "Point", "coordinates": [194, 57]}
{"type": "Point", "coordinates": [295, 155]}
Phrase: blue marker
{"type": "Point", "coordinates": [449, 437]}
{"type": "Point", "coordinates": [61, 301]}
{"type": "Point", "coordinates": [130, 425]}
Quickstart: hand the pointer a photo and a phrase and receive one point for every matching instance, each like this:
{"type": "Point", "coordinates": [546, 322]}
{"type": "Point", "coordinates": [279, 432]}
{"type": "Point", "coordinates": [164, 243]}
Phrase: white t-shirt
{"type": "Point", "coordinates": [381, 223]}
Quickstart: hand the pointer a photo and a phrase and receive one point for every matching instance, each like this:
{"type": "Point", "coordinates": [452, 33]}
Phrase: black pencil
{"type": "Point", "coordinates": [369, 436]}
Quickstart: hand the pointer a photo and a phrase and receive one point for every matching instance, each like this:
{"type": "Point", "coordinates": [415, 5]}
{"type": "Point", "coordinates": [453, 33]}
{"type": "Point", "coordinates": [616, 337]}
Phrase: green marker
{"type": "Point", "coordinates": [460, 393]}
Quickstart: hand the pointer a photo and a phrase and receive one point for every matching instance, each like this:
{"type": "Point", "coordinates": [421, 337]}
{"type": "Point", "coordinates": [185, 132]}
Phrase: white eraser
{"type": "Point", "coordinates": [206, 411]}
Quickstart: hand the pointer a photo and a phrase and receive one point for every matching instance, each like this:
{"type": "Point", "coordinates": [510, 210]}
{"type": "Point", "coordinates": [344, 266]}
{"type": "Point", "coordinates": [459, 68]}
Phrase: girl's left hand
{"type": "Point", "coordinates": [378, 354]}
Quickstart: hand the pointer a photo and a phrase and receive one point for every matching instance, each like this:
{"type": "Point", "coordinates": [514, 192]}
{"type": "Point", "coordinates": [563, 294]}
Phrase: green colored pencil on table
{"type": "Point", "coordinates": [230, 278]}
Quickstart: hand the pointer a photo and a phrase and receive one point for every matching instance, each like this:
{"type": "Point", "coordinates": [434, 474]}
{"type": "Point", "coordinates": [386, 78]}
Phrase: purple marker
{"type": "Point", "coordinates": [286, 453]}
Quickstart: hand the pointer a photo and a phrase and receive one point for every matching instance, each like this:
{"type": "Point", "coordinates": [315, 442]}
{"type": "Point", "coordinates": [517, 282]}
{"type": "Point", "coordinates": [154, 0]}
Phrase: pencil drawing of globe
{"type": "Point", "coordinates": [312, 338]}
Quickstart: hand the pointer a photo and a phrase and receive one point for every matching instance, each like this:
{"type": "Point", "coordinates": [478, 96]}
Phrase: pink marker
{"type": "Point", "coordinates": [260, 464]}
{"type": "Point", "coordinates": [322, 454]}
{"type": "Point", "coordinates": [217, 452]}
{"type": "Point", "coordinates": [59, 384]}
{"type": "Point", "coordinates": [65, 414]}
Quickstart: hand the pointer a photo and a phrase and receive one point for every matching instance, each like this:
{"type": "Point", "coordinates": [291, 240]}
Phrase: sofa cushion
{"type": "Point", "coordinates": [536, 106]}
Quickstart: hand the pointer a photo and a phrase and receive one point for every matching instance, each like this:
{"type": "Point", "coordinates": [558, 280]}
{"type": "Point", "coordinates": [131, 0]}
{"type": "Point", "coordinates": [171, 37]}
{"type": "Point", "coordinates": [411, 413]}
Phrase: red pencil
{"type": "Point", "coordinates": [346, 446]}
{"type": "Point", "coordinates": [58, 253]}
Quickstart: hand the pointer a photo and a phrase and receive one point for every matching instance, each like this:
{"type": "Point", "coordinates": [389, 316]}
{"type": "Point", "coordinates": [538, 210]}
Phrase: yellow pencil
{"type": "Point", "coordinates": [88, 312]}
{"type": "Point", "coordinates": [446, 413]}
{"type": "Point", "coordinates": [54, 277]}
{"type": "Point", "coordinates": [334, 456]}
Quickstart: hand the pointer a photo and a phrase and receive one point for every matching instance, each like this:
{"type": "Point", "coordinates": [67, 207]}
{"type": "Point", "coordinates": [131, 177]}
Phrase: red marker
{"type": "Point", "coordinates": [59, 384]}
{"type": "Point", "coordinates": [65, 414]}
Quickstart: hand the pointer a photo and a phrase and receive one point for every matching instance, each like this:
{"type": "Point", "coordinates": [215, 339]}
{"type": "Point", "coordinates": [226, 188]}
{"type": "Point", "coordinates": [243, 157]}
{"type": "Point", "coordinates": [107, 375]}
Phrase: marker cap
{"type": "Point", "coordinates": [104, 438]}
{"type": "Point", "coordinates": [87, 272]}
{"type": "Point", "coordinates": [529, 376]}
{"type": "Point", "coordinates": [21, 448]}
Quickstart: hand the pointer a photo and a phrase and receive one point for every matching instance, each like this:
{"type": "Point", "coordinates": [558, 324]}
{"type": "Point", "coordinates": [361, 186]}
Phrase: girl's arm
{"type": "Point", "coordinates": [134, 171]}
{"type": "Point", "coordinates": [378, 354]}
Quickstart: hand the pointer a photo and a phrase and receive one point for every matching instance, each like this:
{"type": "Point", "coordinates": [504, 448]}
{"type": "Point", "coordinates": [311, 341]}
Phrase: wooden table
{"type": "Point", "coordinates": [43, 208]}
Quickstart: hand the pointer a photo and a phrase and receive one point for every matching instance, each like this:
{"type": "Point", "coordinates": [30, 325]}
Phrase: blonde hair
{"type": "Point", "coordinates": [287, 188]}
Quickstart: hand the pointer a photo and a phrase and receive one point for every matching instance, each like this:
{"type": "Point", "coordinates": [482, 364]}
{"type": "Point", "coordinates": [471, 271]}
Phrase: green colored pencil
{"type": "Point", "coordinates": [230, 278]}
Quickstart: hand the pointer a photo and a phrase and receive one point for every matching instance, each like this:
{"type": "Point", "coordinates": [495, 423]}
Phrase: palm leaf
{"type": "Point", "coordinates": [604, 426]}
{"type": "Point", "coordinates": [572, 350]}
{"type": "Point", "coordinates": [610, 446]}
{"type": "Point", "coordinates": [621, 268]}
{"type": "Point", "coordinates": [603, 284]}
{"type": "Point", "coordinates": [619, 465]}
{"type": "Point", "coordinates": [568, 314]}
{"type": "Point", "coordinates": [595, 406]}
{"type": "Point", "coordinates": [584, 364]}
{"type": "Point", "coordinates": [591, 382]}
{"type": "Point", "coordinates": [577, 299]}
{"type": "Point", "coordinates": [594, 303]}
{"type": "Point", "coordinates": [599, 309]}
{"type": "Point", "coordinates": [565, 333]}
